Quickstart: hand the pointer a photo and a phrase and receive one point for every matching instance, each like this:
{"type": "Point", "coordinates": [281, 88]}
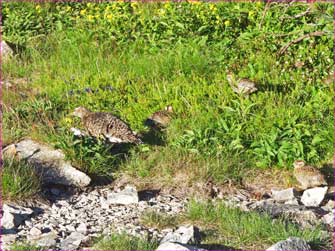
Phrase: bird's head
{"type": "Point", "coordinates": [169, 109]}
{"type": "Point", "coordinates": [80, 112]}
{"type": "Point", "coordinates": [298, 163]}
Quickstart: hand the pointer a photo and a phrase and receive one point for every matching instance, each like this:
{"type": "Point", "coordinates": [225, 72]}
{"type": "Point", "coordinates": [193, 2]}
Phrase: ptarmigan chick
{"type": "Point", "coordinates": [308, 176]}
{"type": "Point", "coordinates": [160, 119]}
{"type": "Point", "coordinates": [106, 125]}
{"type": "Point", "coordinates": [241, 86]}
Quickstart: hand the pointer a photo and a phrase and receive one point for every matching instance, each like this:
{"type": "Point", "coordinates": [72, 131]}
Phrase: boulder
{"type": "Point", "coordinates": [49, 163]}
{"type": "Point", "coordinates": [292, 243]}
{"type": "Point", "coordinates": [284, 195]}
{"type": "Point", "coordinates": [168, 246]}
{"type": "Point", "coordinates": [13, 216]}
{"type": "Point", "coordinates": [314, 196]}
{"type": "Point", "coordinates": [127, 196]}
{"type": "Point", "coordinates": [6, 51]}
{"type": "Point", "coordinates": [184, 235]}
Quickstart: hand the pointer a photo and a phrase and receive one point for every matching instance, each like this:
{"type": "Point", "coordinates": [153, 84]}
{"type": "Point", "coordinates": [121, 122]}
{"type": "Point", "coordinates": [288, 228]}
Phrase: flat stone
{"type": "Point", "coordinates": [284, 195]}
{"type": "Point", "coordinates": [49, 163]}
{"type": "Point", "coordinates": [168, 246]}
{"type": "Point", "coordinates": [292, 243]}
{"type": "Point", "coordinates": [72, 242]}
{"type": "Point", "coordinates": [314, 196]}
{"type": "Point", "coordinates": [82, 228]}
{"type": "Point", "coordinates": [45, 240]}
{"type": "Point", "coordinates": [184, 235]}
{"type": "Point", "coordinates": [292, 202]}
{"type": "Point", "coordinates": [35, 231]}
{"type": "Point", "coordinates": [125, 197]}
{"type": "Point", "coordinates": [329, 219]}
{"type": "Point", "coordinates": [14, 215]}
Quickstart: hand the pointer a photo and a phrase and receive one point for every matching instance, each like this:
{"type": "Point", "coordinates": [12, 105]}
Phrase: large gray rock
{"type": "Point", "coordinates": [73, 241]}
{"type": "Point", "coordinates": [168, 246]}
{"type": "Point", "coordinates": [6, 51]}
{"type": "Point", "coordinates": [184, 235]}
{"type": "Point", "coordinates": [49, 163]}
{"type": "Point", "coordinates": [314, 196]}
{"type": "Point", "coordinates": [284, 195]}
{"type": "Point", "coordinates": [13, 216]}
{"type": "Point", "coordinates": [292, 243]}
{"type": "Point", "coordinates": [127, 196]}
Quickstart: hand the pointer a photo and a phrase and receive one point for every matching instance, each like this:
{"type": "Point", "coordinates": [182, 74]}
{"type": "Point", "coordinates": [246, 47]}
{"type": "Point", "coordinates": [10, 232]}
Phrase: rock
{"type": "Point", "coordinates": [35, 231]}
{"type": "Point", "coordinates": [284, 195]}
{"type": "Point", "coordinates": [329, 206]}
{"type": "Point", "coordinates": [292, 202]}
{"type": "Point", "coordinates": [329, 219]}
{"type": "Point", "coordinates": [292, 243]}
{"type": "Point", "coordinates": [9, 151]}
{"type": "Point", "coordinates": [314, 196]}
{"type": "Point", "coordinates": [72, 241]}
{"type": "Point", "coordinates": [50, 164]}
{"type": "Point", "coordinates": [55, 191]}
{"type": "Point", "coordinates": [176, 246]}
{"type": "Point", "coordinates": [45, 240]}
{"type": "Point", "coordinates": [184, 235]}
{"type": "Point", "coordinates": [82, 228]}
{"type": "Point", "coordinates": [128, 196]}
{"type": "Point", "coordinates": [6, 51]}
{"type": "Point", "coordinates": [13, 216]}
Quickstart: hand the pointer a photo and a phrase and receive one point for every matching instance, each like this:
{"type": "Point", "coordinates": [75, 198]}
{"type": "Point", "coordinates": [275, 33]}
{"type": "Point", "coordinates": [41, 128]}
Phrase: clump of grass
{"type": "Point", "coordinates": [124, 242]}
{"type": "Point", "coordinates": [158, 220]}
{"type": "Point", "coordinates": [24, 246]}
{"type": "Point", "coordinates": [19, 180]}
{"type": "Point", "coordinates": [249, 230]}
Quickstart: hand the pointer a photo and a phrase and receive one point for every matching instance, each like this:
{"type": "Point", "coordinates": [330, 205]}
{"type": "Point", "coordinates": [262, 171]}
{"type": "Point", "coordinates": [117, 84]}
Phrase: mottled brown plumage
{"type": "Point", "coordinates": [160, 119]}
{"type": "Point", "coordinates": [241, 86]}
{"type": "Point", "coordinates": [106, 125]}
{"type": "Point", "coordinates": [308, 176]}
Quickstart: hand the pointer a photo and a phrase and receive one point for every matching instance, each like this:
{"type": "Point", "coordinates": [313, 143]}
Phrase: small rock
{"type": "Point", "coordinates": [82, 228]}
{"type": "Point", "coordinates": [314, 196]}
{"type": "Point", "coordinates": [176, 246]}
{"type": "Point", "coordinates": [35, 231]}
{"type": "Point", "coordinates": [13, 216]}
{"type": "Point", "coordinates": [46, 240]}
{"type": "Point", "coordinates": [6, 51]}
{"type": "Point", "coordinates": [183, 235]}
{"type": "Point", "coordinates": [329, 206]}
{"type": "Point", "coordinates": [292, 202]}
{"type": "Point", "coordinates": [128, 196]}
{"type": "Point", "coordinates": [292, 243]}
{"type": "Point", "coordinates": [284, 195]}
{"type": "Point", "coordinates": [329, 219]}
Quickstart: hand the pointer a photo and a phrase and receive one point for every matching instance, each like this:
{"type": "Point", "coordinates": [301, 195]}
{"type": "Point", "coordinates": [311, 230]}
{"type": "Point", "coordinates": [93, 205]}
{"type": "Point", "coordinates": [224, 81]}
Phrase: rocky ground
{"type": "Point", "coordinates": [72, 217]}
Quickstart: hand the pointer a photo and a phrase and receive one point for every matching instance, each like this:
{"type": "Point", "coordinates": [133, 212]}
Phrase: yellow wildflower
{"type": "Point", "coordinates": [68, 8]}
{"type": "Point", "coordinates": [90, 17]}
{"type": "Point", "coordinates": [251, 13]}
{"type": "Point", "coordinates": [38, 7]}
{"type": "Point", "coordinates": [259, 3]}
{"type": "Point", "coordinates": [109, 17]}
{"type": "Point", "coordinates": [133, 4]}
{"type": "Point", "coordinates": [97, 16]}
{"type": "Point", "coordinates": [89, 5]}
{"type": "Point", "coordinates": [83, 12]}
{"type": "Point", "coordinates": [227, 23]}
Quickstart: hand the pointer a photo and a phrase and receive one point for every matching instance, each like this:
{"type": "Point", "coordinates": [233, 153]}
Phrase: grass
{"type": "Point", "coordinates": [248, 230]}
{"type": "Point", "coordinates": [158, 220]}
{"type": "Point", "coordinates": [19, 180]}
{"type": "Point", "coordinates": [24, 246]}
{"type": "Point", "coordinates": [124, 242]}
{"type": "Point", "coordinates": [215, 134]}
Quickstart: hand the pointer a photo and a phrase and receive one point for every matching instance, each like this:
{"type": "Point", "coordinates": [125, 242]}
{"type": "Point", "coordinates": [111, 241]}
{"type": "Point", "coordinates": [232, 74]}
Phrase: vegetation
{"type": "Point", "coordinates": [255, 231]}
{"type": "Point", "coordinates": [158, 220]}
{"type": "Point", "coordinates": [19, 180]}
{"type": "Point", "coordinates": [124, 242]}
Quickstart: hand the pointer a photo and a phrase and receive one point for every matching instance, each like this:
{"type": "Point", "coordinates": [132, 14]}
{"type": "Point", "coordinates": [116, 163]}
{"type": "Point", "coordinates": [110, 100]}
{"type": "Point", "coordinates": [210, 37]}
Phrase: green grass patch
{"type": "Point", "coordinates": [124, 242]}
{"type": "Point", "coordinates": [158, 220]}
{"type": "Point", "coordinates": [249, 230]}
{"type": "Point", "coordinates": [23, 246]}
{"type": "Point", "coordinates": [19, 180]}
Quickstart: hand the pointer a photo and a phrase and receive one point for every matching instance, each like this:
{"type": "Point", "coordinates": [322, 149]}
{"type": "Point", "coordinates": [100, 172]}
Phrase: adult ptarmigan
{"type": "Point", "coordinates": [105, 125]}
{"type": "Point", "coordinates": [308, 176]}
{"type": "Point", "coordinates": [241, 86]}
{"type": "Point", "coordinates": [160, 119]}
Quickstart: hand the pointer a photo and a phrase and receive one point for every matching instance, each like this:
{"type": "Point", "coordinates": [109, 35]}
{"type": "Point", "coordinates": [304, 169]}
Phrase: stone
{"type": "Point", "coordinates": [73, 241]}
{"type": "Point", "coordinates": [314, 196]}
{"type": "Point", "coordinates": [284, 195]}
{"type": "Point", "coordinates": [329, 206]}
{"type": "Point", "coordinates": [125, 197]}
{"type": "Point", "coordinates": [82, 228]}
{"type": "Point", "coordinates": [50, 164]}
{"type": "Point", "coordinates": [292, 243]}
{"type": "Point", "coordinates": [184, 235]}
{"type": "Point", "coordinates": [292, 202]}
{"type": "Point", "coordinates": [35, 231]}
{"type": "Point", "coordinates": [55, 191]}
{"type": "Point", "coordinates": [329, 219]}
{"type": "Point", "coordinates": [45, 240]}
{"type": "Point", "coordinates": [6, 51]}
{"type": "Point", "coordinates": [168, 246]}
{"type": "Point", "coordinates": [13, 216]}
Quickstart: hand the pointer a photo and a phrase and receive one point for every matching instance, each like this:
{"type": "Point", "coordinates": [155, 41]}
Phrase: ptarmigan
{"type": "Point", "coordinates": [106, 125]}
{"type": "Point", "coordinates": [241, 86]}
{"type": "Point", "coordinates": [308, 176]}
{"type": "Point", "coordinates": [160, 119]}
